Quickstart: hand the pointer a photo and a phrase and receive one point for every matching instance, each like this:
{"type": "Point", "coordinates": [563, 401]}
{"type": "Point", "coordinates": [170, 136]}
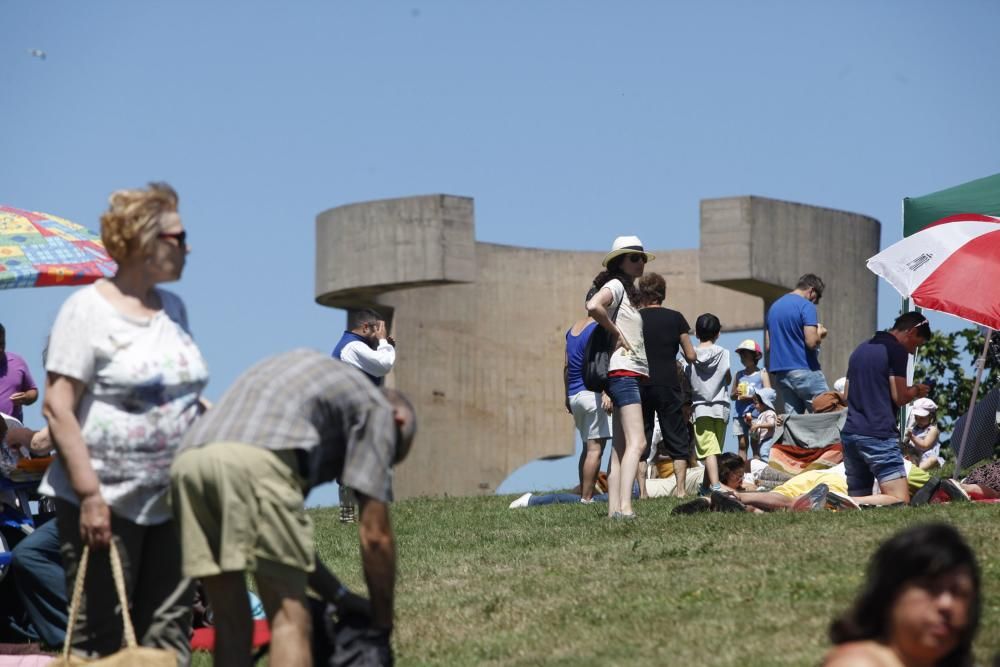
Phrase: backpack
{"type": "Point", "coordinates": [597, 356]}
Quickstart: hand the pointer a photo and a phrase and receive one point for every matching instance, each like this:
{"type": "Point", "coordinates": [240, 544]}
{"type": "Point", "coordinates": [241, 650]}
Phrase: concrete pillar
{"type": "Point", "coordinates": [761, 246]}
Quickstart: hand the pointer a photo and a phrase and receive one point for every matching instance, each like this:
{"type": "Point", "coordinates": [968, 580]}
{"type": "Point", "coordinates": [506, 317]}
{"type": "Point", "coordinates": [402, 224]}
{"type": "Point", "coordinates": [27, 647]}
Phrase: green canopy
{"type": "Point", "coordinates": [979, 196]}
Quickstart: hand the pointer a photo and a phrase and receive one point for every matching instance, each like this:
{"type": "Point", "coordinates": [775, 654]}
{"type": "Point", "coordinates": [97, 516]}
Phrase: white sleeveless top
{"type": "Point", "coordinates": [630, 322]}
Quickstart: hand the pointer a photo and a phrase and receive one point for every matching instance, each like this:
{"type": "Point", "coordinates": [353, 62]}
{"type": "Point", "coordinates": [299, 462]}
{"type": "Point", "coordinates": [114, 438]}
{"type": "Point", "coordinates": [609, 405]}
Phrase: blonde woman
{"type": "Point", "coordinates": [123, 384]}
{"type": "Point", "coordinates": [615, 306]}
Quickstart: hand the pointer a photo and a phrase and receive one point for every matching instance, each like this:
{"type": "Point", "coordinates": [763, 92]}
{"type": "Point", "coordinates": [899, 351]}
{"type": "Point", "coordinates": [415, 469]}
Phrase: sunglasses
{"type": "Point", "coordinates": [923, 322]}
{"type": "Point", "coordinates": [179, 237]}
{"type": "Point", "coordinates": [637, 257]}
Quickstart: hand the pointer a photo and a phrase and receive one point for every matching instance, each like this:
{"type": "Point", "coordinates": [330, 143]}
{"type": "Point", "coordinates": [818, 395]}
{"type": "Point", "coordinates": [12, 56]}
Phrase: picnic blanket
{"type": "Point", "coordinates": [808, 442]}
{"type": "Point", "coordinates": [203, 639]}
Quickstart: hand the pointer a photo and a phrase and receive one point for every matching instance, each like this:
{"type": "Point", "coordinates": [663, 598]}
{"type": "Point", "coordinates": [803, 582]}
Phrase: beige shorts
{"type": "Point", "coordinates": [592, 423]}
{"type": "Point", "coordinates": [240, 508]}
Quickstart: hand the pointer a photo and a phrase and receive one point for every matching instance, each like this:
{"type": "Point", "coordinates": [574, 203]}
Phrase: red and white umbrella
{"type": "Point", "coordinates": [951, 266]}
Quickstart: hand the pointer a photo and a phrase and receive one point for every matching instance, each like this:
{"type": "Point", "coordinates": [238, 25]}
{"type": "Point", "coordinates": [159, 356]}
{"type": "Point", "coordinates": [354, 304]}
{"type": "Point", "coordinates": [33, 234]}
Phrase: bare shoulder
{"type": "Point", "coordinates": [861, 654]}
{"type": "Point", "coordinates": [579, 326]}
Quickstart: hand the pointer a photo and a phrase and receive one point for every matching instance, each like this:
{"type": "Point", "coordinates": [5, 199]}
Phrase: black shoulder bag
{"type": "Point", "coordinates": [597, 356]}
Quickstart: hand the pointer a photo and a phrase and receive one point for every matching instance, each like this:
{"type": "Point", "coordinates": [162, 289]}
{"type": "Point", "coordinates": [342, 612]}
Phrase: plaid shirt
{"type": "Point", "coordinates": [305, 400]}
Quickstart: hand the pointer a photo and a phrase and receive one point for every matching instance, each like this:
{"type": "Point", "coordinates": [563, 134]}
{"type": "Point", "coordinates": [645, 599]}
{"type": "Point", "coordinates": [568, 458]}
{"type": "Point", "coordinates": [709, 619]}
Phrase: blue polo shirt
{"type": "Point", "coordinates": [785, 320]}
{"type": "Point", "coordinates": [870, 410]}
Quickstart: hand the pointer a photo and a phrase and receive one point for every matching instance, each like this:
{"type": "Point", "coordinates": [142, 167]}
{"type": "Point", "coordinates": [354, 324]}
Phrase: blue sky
{"type": "Point", "coordinates": [568, 122]}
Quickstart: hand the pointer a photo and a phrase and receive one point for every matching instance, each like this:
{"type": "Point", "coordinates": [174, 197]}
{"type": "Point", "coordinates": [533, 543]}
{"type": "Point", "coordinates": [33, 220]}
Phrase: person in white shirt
{"type": "Point", "coordinates": [366, 345]}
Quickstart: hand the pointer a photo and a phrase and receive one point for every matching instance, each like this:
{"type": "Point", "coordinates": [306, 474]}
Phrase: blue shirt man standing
{"type": "Point", "coordinates": [792, 334]}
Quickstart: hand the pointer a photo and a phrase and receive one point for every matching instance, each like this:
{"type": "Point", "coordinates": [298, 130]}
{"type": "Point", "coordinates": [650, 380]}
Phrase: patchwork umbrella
{"type": "Point", "coordinates": [951, 266]}
{"type": "Point", "coordinates": [41, 250]}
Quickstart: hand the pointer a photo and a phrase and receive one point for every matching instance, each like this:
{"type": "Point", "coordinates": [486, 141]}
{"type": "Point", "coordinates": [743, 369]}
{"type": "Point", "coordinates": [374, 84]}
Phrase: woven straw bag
{"type": "Point", "coordinates": [132, 654]}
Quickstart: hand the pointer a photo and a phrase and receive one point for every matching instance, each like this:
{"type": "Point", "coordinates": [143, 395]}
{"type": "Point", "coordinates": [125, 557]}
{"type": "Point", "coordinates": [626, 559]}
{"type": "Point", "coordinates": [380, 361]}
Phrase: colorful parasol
{"type": "Point", "coordinates": [951, 266]}
{"type": "Point", "coordinates": [41, 250]}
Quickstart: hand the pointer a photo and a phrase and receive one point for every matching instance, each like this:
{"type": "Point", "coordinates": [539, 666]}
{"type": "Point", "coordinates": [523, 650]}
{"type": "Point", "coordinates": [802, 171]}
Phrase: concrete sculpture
{"type": "Point", "coordinates": [481, 325]}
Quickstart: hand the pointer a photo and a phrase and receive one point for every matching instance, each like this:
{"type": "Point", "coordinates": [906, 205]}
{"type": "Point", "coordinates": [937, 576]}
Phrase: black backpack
{"type": "Point", "coordinates": [597, 357]}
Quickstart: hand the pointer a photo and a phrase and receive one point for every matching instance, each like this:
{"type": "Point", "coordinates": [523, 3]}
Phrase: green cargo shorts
{"type": "Point", "coordinates": [240, 508]}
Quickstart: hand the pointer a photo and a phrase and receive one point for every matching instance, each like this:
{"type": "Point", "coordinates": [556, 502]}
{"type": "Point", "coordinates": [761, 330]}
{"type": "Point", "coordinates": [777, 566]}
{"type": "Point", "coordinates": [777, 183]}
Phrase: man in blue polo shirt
{"type": "Point", "coordinates": [792, 334]}
{"type": "Point", "coordinates": [876, 388]}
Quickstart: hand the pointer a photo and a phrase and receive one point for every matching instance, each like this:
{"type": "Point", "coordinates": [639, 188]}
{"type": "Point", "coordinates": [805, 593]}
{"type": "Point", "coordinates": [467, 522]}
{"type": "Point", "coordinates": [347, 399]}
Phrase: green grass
{"type": "Point", "coordinates": [479, 584]}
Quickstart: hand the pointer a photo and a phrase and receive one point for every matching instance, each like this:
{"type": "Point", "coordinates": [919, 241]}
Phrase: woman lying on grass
{"type": "Point", "coordinates": [919, 606]}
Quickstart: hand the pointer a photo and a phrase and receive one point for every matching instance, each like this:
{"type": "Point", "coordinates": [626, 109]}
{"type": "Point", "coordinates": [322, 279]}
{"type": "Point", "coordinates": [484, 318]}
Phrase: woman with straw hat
{"type": "Point", "coordinates": [614, 304]}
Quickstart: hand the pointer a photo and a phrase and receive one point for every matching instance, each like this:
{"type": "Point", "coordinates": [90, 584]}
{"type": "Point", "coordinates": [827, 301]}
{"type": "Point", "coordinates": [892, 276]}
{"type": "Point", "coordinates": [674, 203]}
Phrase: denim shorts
{"type": "Point", "coordinates": [799, 387]}
{"type": "Point", "coordinates": [624, 391]}
{"type": "Point", "coordinates": [867, 459]}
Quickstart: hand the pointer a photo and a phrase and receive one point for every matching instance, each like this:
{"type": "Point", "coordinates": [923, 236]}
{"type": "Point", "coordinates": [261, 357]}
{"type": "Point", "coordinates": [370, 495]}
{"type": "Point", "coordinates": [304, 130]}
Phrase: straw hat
{"type": "Point", "coordinates": [625, 245]}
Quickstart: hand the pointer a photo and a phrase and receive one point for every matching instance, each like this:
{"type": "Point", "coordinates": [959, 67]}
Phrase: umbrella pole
{"type": "Point", "coordinates": [980, 365]}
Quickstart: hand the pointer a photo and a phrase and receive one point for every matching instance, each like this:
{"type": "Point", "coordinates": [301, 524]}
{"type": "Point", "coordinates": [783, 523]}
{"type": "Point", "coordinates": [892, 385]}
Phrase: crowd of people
{"type": "Point", "coordinates": [186, 491]}
{"type": "Point", "coordinates": [183, 490]}
{"type": "Point", "coordinates": [669, 399]}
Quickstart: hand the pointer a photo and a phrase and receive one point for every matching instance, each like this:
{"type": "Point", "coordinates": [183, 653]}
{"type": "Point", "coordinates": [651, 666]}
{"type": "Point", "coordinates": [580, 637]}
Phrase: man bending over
{"type": "Point", "coordinates": [239, 483]}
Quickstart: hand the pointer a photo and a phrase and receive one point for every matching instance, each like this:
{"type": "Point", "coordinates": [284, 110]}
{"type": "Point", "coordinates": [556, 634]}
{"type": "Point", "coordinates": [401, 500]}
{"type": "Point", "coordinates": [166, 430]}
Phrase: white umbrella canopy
{"type": "Point", "coordinates": [951, 266]}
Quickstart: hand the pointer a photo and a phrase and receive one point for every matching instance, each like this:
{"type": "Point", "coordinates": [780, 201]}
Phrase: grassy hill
{"type": "Point", "coordinates": [561, 585]}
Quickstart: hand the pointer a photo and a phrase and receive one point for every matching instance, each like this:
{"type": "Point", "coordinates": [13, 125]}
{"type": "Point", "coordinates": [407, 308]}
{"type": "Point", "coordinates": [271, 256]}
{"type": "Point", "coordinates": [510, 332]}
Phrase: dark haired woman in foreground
{"type": "Point", "coordinates": [919, 605]}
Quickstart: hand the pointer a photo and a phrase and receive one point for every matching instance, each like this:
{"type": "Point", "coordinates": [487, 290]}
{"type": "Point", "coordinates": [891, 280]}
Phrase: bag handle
{"type": "Point", "coordinates": [620, 302]}
{"type": "Point", "coordinates": [74, 607]}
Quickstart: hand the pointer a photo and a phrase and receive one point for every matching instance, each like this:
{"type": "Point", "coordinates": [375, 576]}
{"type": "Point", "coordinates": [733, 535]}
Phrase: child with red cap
{"type": "Point", "coordinates": [747, 382]}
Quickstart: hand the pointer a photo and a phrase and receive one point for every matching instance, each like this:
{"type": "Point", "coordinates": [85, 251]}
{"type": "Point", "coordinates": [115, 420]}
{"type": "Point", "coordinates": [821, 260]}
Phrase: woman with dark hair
{"type": "Point", "coordinates": [919, 606]}
{"type": "Point", "coordinates": [615, 307]}
{"type": "Point", "coordinates": [664, 332]}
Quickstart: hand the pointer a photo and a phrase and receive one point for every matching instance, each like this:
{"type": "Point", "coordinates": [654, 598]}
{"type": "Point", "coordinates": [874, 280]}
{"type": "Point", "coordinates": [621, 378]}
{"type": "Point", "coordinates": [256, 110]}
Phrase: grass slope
{"type": "Point", "coordinates": [561, 585]}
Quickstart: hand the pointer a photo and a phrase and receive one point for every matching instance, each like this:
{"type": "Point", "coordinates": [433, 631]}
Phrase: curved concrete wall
{"type": "Point", "coordinates": [363, 250]}
{"type": "Point", "coordinates": [480, 330]}
{"type": "Point", "coordinates": [484, 361]}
